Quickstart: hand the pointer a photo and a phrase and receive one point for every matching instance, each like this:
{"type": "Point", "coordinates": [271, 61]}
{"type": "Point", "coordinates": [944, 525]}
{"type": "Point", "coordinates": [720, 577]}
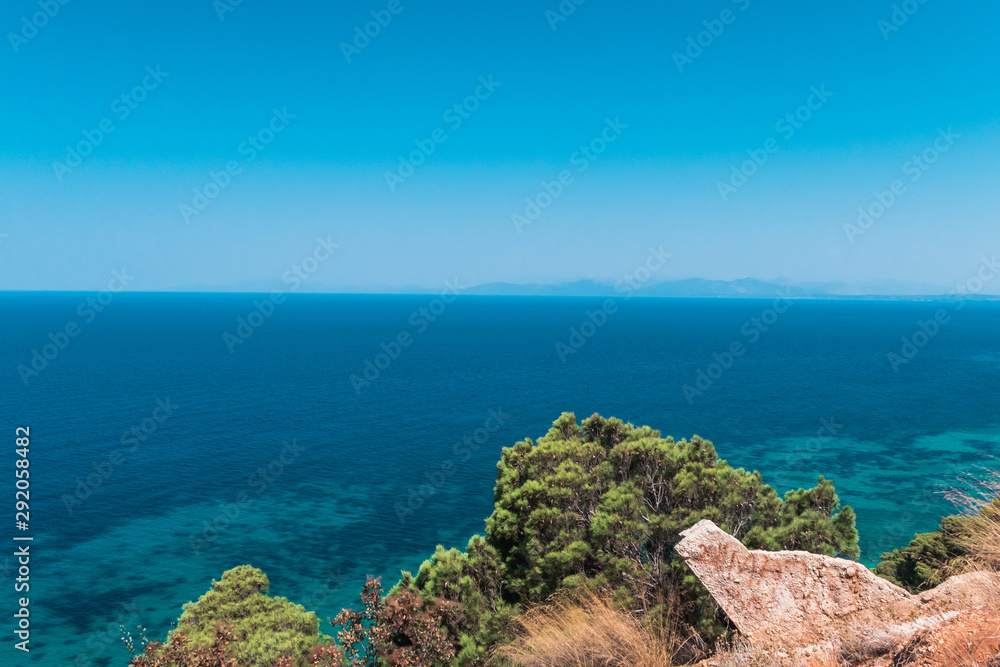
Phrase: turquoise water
{"type": "Point", "coordinates": [372, 476]}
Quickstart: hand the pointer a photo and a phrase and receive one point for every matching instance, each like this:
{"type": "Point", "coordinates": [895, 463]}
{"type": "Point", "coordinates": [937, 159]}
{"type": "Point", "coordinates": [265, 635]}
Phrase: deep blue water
{"type": "Point", "coordinates": [120, 527]}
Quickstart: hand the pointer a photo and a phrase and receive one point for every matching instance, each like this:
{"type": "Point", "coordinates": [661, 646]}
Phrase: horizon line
{"type": "Point", "coordinates": [730, 297]}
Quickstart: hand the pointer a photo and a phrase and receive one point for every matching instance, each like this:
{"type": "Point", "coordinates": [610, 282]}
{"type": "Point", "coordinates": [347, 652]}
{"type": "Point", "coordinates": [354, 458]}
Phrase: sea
{"type": "Point", "coordinates": [326, 438]}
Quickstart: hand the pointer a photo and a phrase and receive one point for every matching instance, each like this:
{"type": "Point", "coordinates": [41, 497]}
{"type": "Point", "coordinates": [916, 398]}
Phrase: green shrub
{"type": "Point", "coordinates": [403, 629]}
{"type": "Point", "coordinates": [601, 504]}
{"type": "Point", "coordinates": [472, 583]}
{"type": "Point", "coordinates": [608, 500]}
{"type": "Point", "coordinates": [264, 629]}
{"type": "Point", "coordinates": [930, 558]}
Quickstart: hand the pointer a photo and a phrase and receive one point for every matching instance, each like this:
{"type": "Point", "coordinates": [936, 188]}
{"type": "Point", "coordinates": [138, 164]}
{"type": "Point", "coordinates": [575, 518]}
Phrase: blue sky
{"type": "Point", "coordinates": [212, 77]}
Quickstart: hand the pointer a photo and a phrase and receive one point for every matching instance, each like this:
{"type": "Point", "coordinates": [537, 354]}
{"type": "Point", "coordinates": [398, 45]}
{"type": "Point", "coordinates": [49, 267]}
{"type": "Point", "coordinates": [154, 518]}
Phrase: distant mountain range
{"type": "Point", "coordinates": [748, 288]}
{"type": "Point", "coordinates": [692, 287]}
{"type": "Point", "coordinates": [745, 288]}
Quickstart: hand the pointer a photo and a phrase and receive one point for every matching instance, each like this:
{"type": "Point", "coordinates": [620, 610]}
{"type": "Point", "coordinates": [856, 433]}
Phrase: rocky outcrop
{"type": "Point", "coordinates": [813, 604]}
{"type": "Point", "coordinates": [964, 591]}
{"type": "Point", "coordinates": [966, 638]}
{"type": "Point", "coordinates": [804, 609]}
{"type": "Point", "coordinates": [794, 597]}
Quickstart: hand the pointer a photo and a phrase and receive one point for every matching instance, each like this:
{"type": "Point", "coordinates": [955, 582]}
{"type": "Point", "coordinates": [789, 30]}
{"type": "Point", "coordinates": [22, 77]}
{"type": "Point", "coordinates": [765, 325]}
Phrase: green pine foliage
{"type": "Point", "coordinates": [920, 564]}
{"type": "Point", "coordinates": [473, 581]}
{"type": "Point", "coordinates": [930, 558]}
{"type": "Point", "coordinates": [602, 503]}
{"type": "Point", "coordinates": [607, 498]}
{"type": "Point", "coordinates": [264, 628]}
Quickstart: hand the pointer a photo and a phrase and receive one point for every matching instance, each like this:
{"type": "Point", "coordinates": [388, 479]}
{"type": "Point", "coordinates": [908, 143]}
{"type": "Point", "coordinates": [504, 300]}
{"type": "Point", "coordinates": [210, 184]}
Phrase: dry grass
{"type": "Point", "coordinates": [587, 630]}
{"type": "Point", "coordinates": [979, 500]}
{"type": "Point", "coordinates": [978, 645]}
{"type": "Point", "coordinates": [741, 653]}
{"type": "Point", "coordinates": [863, 643]}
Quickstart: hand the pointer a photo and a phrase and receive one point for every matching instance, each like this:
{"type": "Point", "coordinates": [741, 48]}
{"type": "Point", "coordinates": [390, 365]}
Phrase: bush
{"type": "Point", "coordinates": [977, 531]}
{"type": "Point", "coordinates": [607, 500]}
{"type": "Point", "coordinates": [361, 634]}
{"type": "Point", "coordinates": [404, 629]}
{"type": "Point", "coordinates": [179, 652]}
{"type": "Point", "coordinates": [261, 630]}
{"type": "Point", "coordinates": [601, 505]}
{"type": "Point", "coordinates": [963, 542]}
{"type": "Point", "coordinates": [473, 582]}
{"type": "Point", "coordinates": [924, 562]}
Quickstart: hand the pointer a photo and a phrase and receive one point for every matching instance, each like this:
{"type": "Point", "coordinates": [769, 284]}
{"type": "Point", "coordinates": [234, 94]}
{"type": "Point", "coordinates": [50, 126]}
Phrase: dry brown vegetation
{"type": "Point", "coordinates": [971, 639]}
{"type": "Point", "coordinates": [860, 644]}
{"type": "Point", "coordinates": [741, 653]}
{"type": "Point", "coordinates": [588, 630]}
{"type": "Point", "coordinates": [978, 642]}
{"type": "Point", "coordinates": [979, 500]}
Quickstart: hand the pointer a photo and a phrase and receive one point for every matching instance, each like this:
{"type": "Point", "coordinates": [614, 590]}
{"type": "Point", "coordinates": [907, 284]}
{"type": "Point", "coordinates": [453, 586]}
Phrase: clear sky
{"type": "Point", "coordinates": [331, 111]}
